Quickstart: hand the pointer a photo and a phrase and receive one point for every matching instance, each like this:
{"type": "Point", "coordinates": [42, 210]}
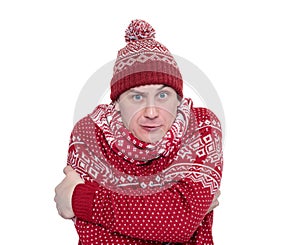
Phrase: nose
{"type": "Point", "coordinates": [151, 112]}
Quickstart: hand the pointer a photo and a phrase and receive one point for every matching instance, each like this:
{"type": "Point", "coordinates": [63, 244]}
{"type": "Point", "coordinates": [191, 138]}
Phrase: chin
{"type": "Point", "coordinates": [153, 138]}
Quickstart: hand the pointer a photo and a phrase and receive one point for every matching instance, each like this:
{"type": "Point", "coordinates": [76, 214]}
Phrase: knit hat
{"type": "Point", "coordinates": [144, 61]}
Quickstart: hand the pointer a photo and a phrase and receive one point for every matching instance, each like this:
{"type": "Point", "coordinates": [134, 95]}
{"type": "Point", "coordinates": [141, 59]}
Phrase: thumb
{"type": "Point", "coordinates": [218, 193]}
{"type": "Point", "coordinates": [68, 169]}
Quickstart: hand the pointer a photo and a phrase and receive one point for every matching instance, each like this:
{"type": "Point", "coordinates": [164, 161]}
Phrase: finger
{"type": "Point", "coordinates": [214, 205]}
{"type": "Point", "coordinates": [216, 196]}
{"type": "Point", "coordinates": [68, 169]}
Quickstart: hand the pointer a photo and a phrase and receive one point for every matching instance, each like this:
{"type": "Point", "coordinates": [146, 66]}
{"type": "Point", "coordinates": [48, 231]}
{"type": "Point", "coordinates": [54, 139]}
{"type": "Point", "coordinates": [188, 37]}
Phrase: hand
{"type": "Point", "coordinates": [64, 192]}
{"type": "Point", "coordinates": [215, 202]}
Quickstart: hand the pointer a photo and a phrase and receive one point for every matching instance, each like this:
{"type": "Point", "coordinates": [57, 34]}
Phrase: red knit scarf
{"type": "Point", "coordinates": [102, 149]}
{"type": "Point", "coordinates": [126, 145]}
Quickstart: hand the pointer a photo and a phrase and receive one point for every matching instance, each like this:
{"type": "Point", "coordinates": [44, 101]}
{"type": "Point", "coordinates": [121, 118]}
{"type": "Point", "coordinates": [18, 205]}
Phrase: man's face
{"type": "Point", "coordinates": [148, 111]}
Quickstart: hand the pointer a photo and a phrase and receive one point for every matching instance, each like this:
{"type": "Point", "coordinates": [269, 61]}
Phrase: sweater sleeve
{"type": "Point", "coordinates": [172, 215]}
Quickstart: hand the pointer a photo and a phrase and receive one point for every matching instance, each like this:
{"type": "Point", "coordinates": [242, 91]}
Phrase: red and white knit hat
{"type": "Point", "coordinates": [143, 61]}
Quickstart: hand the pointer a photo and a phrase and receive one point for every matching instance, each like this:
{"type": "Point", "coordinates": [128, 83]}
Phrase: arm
{"type": "Point", "coordinates": [73, 180]}
{"type": "Point", "coordinates": [173, 214]}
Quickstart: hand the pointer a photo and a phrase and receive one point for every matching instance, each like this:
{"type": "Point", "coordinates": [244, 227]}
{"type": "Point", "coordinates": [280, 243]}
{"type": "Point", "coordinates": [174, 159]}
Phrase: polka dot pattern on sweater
{"type": "Point", "coordinates": [175, 215]}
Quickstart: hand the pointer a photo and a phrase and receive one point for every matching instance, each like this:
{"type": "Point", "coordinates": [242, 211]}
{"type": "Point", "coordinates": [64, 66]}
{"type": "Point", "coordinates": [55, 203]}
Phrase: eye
{"type": "Point", "coordinates": [137, 97]}
{"type": "Point", "coordinates": [162, 95]}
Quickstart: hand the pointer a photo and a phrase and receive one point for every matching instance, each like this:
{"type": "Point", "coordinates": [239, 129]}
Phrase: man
{"type": "Point", "coordinates": [149, 163]}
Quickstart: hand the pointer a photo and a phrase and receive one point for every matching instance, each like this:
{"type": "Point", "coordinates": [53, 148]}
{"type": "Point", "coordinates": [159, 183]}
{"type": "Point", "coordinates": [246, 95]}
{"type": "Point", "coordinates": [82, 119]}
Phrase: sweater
{"type": "Point", "coordinates": [175, 215]}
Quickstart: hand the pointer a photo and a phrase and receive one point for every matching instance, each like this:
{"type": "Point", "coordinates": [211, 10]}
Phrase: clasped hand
{"type": "Point", "coordinates": [64, 192]}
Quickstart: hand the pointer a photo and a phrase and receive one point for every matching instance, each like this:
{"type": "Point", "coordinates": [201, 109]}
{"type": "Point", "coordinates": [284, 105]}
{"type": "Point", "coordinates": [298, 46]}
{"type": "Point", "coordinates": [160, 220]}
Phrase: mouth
{"type": "Point", "coordinates": [151, 128]}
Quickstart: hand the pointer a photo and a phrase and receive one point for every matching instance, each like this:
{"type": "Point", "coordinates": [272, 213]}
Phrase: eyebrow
{"type": "Point", "coordinates": [136, 91]}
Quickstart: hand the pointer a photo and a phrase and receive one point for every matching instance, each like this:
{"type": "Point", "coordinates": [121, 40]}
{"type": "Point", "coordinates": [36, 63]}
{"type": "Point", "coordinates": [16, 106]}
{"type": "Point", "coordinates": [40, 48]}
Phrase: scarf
{"type": "Point", "coordinates": [102, 149]}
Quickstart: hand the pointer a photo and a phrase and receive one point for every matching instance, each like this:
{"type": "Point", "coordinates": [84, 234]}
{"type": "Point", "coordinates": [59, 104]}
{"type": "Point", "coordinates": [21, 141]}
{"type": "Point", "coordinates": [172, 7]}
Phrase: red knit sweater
{"type": "Point", "coordinates": [175, 215]}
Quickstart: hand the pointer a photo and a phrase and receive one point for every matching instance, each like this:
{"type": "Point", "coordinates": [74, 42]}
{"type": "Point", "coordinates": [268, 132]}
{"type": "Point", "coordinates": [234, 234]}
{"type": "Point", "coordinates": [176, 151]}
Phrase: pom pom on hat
{"type": "Point", "coordinates": [139, 29]}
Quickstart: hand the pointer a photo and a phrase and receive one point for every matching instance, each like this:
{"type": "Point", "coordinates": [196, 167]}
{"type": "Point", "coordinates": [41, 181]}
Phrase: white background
{"type": "Point", "coordinates": [249, 50]}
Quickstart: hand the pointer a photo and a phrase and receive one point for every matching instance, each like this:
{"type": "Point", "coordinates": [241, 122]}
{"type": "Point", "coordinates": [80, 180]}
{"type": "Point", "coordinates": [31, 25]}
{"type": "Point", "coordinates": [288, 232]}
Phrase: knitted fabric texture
{"type": "Point", "coordinates": [111, 208]}
{"type": "Point", "coordinates": [144, 61]}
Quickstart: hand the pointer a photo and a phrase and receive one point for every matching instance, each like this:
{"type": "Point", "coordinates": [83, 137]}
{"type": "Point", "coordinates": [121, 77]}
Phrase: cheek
{"type": "Point", "coordinates": [172, 112]}
{"type": "Point", "coordinates": [132, 121]}
{"type": "Point", "coordinates": [129, 116]}
{"type": "Point", "coordinates": [169, 116]}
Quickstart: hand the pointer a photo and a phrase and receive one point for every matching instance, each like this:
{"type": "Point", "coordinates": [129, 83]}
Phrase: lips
{"type": "Point", "coordinates": [150, 128]}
